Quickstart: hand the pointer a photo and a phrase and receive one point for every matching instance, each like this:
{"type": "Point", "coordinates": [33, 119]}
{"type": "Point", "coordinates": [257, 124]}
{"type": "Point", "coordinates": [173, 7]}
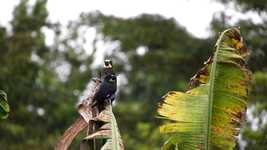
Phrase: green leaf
{"type": "Point", "coordinates": [210, 113]}
{"type": "Point", "coordinates": [4, 108]}
{"type": "Point", "coordinates": [109, 131]}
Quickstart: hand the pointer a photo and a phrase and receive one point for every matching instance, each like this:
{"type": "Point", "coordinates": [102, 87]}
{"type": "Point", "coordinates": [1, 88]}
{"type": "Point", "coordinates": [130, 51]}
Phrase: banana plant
{"type": "Point", "coordinates": [210, 113]}
{"type": "Point", "coordinates": [4, 107]}
{"type": "Point", "coordinates": [109, 131]}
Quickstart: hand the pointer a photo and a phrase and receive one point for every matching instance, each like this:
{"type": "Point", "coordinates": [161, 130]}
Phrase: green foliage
{"type": "Point", "coordinates": [4, 107]}
{"type": "Point", "coordinates": [259, 88]}
{"type": "Point", "coordinates": [29, 73]}
{"type": "Point", "coordinates": [257, 138]}
{"type": "Point", "coordinates": [247, 5]}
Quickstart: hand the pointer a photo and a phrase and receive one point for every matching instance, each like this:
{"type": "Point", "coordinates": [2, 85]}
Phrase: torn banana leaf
{"type": "Point", "coordinates": [109, 131]}
{"type": "Point", "coordinates": [210, 113]}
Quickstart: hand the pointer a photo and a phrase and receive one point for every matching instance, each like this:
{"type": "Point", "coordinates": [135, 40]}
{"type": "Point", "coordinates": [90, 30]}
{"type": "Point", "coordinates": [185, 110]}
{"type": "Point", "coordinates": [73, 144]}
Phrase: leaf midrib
{"type": "Point", "coordinates": [115, 143]}
{"type": "Point", "coordinates": [210, 93]}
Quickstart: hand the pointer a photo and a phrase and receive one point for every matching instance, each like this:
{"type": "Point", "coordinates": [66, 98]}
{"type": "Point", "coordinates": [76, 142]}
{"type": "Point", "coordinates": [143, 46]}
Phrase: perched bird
{"type": "Point", "coordinates": [108, 87]}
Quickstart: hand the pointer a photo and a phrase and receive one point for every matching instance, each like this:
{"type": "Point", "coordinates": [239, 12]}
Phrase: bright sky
{"type": "Point", "coordinates": [186, 12]}
{"type": "Point", "coordinates": [195, 15]}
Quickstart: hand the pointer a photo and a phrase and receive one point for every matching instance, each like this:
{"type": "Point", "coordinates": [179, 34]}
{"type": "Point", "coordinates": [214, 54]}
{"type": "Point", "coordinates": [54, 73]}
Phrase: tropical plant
{"type": "Point", "coordinates": [4, 107]}
{"type": "Point", "coordinates": [109, 131]}
{"type": "Point", "coordinates": [209, 114]}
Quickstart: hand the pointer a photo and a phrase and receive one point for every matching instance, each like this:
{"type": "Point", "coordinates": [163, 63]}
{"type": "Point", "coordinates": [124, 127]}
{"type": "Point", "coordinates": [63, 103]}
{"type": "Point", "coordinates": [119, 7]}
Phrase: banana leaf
{"type": "Point", "coordinates": [210, 113]}
{"type": "Point", "coordinates": [109, 131]}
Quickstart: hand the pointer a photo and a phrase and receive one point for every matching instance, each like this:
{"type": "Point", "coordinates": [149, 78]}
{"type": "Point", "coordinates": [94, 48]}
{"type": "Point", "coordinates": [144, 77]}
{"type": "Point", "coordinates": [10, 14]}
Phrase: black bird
{"type": "Point", "coordinates": [108, 87]}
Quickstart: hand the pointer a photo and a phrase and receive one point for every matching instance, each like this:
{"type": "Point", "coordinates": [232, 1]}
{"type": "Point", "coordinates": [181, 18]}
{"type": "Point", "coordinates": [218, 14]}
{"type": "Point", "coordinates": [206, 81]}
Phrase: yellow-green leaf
{"type": "Point", "coordinates": [209, 115]}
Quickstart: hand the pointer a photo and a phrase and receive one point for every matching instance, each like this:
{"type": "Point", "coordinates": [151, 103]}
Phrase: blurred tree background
{"type": "Point", "coordinates": [151, 54]}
